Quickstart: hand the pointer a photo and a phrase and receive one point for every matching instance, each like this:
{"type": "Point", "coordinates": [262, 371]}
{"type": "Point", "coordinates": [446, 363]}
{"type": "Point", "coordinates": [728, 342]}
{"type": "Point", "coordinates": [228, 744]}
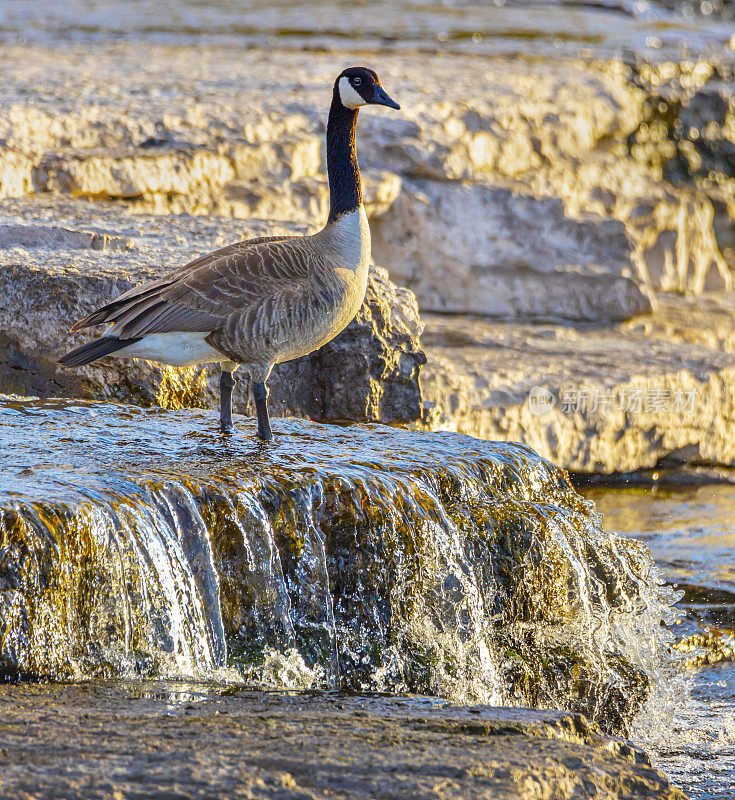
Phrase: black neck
{"type": "Point", "coordinates": [345, 192]}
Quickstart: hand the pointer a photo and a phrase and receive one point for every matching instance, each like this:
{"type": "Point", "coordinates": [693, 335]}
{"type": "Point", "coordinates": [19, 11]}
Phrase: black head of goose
{"type": "Point", "coordinates": [262, 301]}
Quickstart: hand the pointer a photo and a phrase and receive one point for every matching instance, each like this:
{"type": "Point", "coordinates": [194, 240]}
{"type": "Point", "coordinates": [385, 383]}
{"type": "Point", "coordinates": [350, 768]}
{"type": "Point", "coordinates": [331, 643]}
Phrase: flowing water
{"type": "Point", "coordinates": [601, 28]}
{"type": "Point", "coordinates": [142, 542]}
{"type": "Point", "coordinates": [692, 537]}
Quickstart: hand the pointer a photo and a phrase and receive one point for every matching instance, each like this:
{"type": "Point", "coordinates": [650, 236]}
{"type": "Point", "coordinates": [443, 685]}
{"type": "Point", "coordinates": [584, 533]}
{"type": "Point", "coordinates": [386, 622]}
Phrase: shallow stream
{"type": "Point", "coordinates": [142, 542]}
{"type": "Point", "coordinates": [533, 27]}
{"type": "Point", "coordinates": [692, 536]}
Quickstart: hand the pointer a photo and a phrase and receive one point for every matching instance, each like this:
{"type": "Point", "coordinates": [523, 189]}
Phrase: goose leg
{"type": "Point", "coordinates": [226, 383]}
{"type": "Point", "coordinates": [260, 395]}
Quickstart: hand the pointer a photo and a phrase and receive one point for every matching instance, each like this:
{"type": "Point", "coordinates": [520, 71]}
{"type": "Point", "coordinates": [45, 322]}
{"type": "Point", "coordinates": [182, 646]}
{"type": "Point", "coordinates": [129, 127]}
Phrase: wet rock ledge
{"type": "Point", "coordinates": [142, 542]}
{"type": "Point", "coordinates": [204, 741]}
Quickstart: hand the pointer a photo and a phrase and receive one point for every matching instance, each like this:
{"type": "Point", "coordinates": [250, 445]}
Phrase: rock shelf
{"type": "Point", "coordinates": [211, 131]}
{"type": "Point", "coordinates": [144, 542]}
{"type": "Point", "coordinates": [198, 740]}
{"type": "Point", "coordinates": [654, 391]}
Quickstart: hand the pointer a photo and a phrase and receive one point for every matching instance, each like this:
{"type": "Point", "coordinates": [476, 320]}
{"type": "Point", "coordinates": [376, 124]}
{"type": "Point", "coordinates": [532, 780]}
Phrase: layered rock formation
{"type": "Point", "coordinates": [522, 148]}
{"type": "Point", "coordinates": [602, 398]}
{"type": "Point", "coordinates": [532, 192]}
{"type": "Point", "coordinates": [466, 248]}
{"type": "Point", "coordinates": [564, 196]}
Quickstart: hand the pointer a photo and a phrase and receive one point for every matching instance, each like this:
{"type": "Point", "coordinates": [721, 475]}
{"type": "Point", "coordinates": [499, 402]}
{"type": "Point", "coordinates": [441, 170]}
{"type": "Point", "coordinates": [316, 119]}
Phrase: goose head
{"type": "Point", "coordinates": [359, 86]}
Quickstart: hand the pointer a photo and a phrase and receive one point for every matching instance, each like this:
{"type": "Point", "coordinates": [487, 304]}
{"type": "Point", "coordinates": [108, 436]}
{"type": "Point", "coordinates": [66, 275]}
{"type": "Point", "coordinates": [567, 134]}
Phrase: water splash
{"type": "Point", "coordinates": [368, 558]}
{"type": "Point", "coordinates": [688, 722]}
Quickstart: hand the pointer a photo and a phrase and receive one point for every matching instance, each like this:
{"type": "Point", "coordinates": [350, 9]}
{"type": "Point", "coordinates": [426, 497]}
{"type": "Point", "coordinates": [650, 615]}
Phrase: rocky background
{"type": "Point", "coordinates": [563, 231]}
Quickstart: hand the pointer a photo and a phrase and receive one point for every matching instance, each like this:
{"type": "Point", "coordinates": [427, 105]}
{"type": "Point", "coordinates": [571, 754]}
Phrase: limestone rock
{"type": "Point", "coordinates": [16, 174]}
{"type": "Point", "coordinates": [707, 120]}
{"type": "Point", "coordinates": [231, 136]}
{"type": "Point", "coordinates": [215, 740]}
{"type": "Point", "coordinates": [526, 190]}
{"type": "Point", "coordinates": [485, 250]}
{"type": "Point", "coordinates": [302, 200]}
{"type": "Point", "coordinates": [592, 398]}
{"type": "Point", "coordinates": [111, 175]}
{"type": "Point", "coordinates": [671, 228]}
{"type": "Point", "coordinates": [683, 149]}
{"type": "Point", "coordinates": [50, 237]}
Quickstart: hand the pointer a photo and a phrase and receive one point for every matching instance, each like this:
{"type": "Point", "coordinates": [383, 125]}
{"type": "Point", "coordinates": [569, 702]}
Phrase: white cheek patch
{"type": "Point", "coordinates": [349, 97]}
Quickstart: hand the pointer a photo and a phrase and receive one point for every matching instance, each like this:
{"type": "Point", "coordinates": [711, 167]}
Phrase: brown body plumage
{"type": "Point", "coordinates": [256, 303]}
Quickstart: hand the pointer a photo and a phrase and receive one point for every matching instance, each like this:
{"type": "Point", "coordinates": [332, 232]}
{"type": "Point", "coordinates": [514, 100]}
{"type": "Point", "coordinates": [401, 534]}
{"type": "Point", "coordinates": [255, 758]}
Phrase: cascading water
{"type": "Point", "coordinates": [106, 582]}
{"type": "Point", "coordinates": [142, 543]}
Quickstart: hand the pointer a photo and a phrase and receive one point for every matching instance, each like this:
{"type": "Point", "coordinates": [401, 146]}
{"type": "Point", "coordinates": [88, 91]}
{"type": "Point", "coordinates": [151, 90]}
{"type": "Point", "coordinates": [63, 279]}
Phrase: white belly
{"type": "Point", "coordinates": [174, 349]}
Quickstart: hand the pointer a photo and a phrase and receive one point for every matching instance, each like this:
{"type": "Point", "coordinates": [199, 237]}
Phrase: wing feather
{"type": "Point", "coordinates": [255, 277]}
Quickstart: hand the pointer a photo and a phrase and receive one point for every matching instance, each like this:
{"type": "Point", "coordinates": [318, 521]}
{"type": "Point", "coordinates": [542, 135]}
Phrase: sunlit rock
{"type": "Point", "coordinates": [51, 237]}
{"type": "Point", "coordinates": [610, 398]}
{"type": "Point", "coordinates": [106, 175]}
{"type": "Point", "coordinates": [16, 174]}
{"type": "Point", "coordinates": [304, 200]}
{"type": "Point", "coordinates": [671, 228]}
{"type": "Point", "coordinates": [527, 190]}
{"type": "Point", "coordinates": [259, 743]}
{"type": "Point", "coordinates": [466, 249]}
{"type": "Point", "coordinates": [233, 136]}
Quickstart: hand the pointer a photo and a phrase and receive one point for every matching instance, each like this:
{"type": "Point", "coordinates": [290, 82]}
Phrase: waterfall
{"type": "Point", "coordinates": [367, 558]}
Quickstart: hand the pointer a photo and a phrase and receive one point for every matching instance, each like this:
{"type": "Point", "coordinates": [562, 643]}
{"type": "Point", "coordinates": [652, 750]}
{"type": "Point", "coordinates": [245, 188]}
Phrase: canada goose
{"type": "Point", "coordinates": [264, 300]}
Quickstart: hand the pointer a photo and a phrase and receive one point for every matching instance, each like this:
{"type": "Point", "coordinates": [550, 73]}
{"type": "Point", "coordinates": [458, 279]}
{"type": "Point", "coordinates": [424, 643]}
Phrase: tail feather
{"type": "Point", "coordinates": [109, 312]}
{"type": "Point", "coordinates": [96, 349]}
{"type": "Point", "coordinates": [127, 320]}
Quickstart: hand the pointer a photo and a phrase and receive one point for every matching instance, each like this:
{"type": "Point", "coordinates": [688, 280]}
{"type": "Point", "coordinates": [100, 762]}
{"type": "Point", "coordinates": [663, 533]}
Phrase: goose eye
{"type": "Point", "coordinates": [356, 81]}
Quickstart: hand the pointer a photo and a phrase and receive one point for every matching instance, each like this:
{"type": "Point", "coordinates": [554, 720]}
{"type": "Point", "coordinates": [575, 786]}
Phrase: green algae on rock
{"type": "Point", "coordinates": [142, 542]}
